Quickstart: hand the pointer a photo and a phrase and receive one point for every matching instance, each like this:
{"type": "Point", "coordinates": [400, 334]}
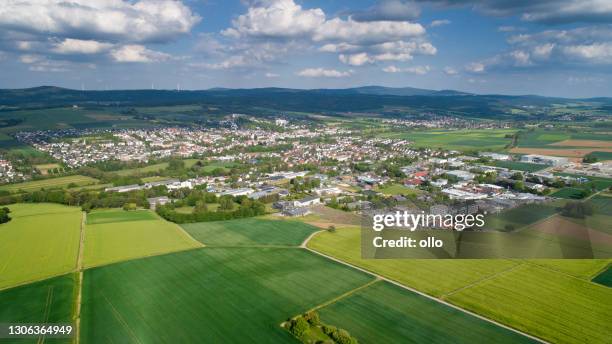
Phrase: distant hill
{"type": "Point", "coordinates": [367, 99]}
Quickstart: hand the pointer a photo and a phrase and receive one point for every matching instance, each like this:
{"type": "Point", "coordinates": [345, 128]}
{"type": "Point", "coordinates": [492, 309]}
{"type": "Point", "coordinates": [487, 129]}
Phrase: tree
{"type": "Point", "coordinates": [312, 318]}
{"type": "Point", "coordinates": [226, 203]}
{"type": "Point", "coordinates": [200, 207]}
{"type": "Point", "coordinates": [299, 327]}
{"type": "Point", "coordinates": [331, 229]}
{"type": "Point", "coordinates": [4, 215]}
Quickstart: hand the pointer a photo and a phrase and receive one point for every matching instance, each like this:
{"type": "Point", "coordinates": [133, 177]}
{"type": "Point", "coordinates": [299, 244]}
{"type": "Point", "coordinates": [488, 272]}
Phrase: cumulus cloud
{"type": "Point", "coordinates": [116, 20]}
{"type": "Point", "coordinates": [137, 53]}
{"type": "Point", "coordinates": [541, 11]}
{"type": "Point", "coordinates": [450, 71]}
{"type": "Point", "coordinates": [357, 41]}
{"type": "Point", "coordinates": [271, 75]}
{"type": "Point", "coordinates": [440, 22]}
{"type": "Point", "coordinates": [389, 10]}
{"type": "Point", "coordinates": [79, 46]}
{"type": "Point", "coordinates": [324, 73]}
{"type": "Point", "coordinates": [475, 67]}
{"type": "Point", "coordinates": [418, 70]}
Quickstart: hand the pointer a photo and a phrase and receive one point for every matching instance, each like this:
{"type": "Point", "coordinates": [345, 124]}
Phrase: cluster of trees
{"type": "Point", "coordinates": [225, 211]}
{"type": "Point", "coordinates": [300, 184]}
{"type": "Point", "coordinates": [4, 215]}
{"type": "Point", "coordinates": [300, 325]}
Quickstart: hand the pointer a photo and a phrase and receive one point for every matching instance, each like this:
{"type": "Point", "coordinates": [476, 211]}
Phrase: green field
{"type": "Point", "coordinates": [51, 183]}
{"type": "Point", "coordinates": [550, 305]}
{"type": "Point", "coordinates": [542, 138]}
{"type": "Point", "coordinates": [605, 277]}
{"type": "Point", "coordinates": [120, 235]}
{"type": "Point", "coordinates": [48, 301]}
{"type": "Point", "coordinates": [519, 166]}
{"type": "Point", "coordinates": [385, 313]}
{"type": "Point", "coordinates": [432, 276]}
{"type": "Point", "coordinates": [568, 193]}
{"type": "Point", "coordinates": [222, 295]}
{"type": "Point", "coordinates": [41, 240]}
{"type": "Point", "coordinates": [520, 216]}
{"type": "Point", "coordinates": [250, 232]}
{"type": "Point", "coordinates": [114, 215]}
{"type": "Point", "coordinates": [602, 155]}
{"type": "Point", "coordinates": [490, 139]}
{"type": "Point", "coordinates": [153, 168]}
{"type": "Point", "coordinates": [546, 305]}
{"type": "Point", "coordinates": [397, 189]}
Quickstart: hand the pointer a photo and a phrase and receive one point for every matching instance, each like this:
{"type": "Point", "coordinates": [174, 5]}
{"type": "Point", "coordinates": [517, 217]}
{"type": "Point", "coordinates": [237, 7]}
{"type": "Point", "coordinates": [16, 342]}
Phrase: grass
{"type": "Point", "coordinates": [605, 277]}
{"type": "Point", "coordinates": [543, 298]}
{"type": "Point", "coordinates": [48, 301]}
{"type": "Point", "coordinates": [385, 313]}
{"type": "Point", "coordinates": [568, 193]}
{"type": "Point", "coordinates": [131, 235]}
{"type": "Point", "coordinates": [550, 305]}
{"type": "Point", "coordinates": [432, 276]}
{"type": "Point", "coordinates": [41, 240]}
{"type": "Point", "coordinates": [153, 168]}
{"type": "Point", "coordinates": [51, 183]}
{"type": "Point", "coordinates": [225, 295]}
{"type": "Point", "coordinates": [250, 232]}
{"type": "Point", "coordinates": [114, 215]}
{"type": "Point", "coordinates": [520, 216]}
{"type": "Point", "coordinates": [519, 166]}
{"type": "Point", "coordinates": [490, 139]}
{"type": "Point", "coordinates": [397, 189]}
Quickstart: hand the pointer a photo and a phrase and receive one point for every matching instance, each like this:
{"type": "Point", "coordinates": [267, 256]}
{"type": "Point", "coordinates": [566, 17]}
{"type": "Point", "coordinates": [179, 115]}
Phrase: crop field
{"type": "Point", "coordinates": [520, 166]}
{"type": "Point", "coordinates": [41, 240]}
{"type": "Point", "coordinates": [602, 203]}
{"type": "Point", "coordinates": [52, 183]}
{"type": "Point", "coordinates": [385, 313]}
{"type": "Point", "coordinates": [114, 215]}
{"type": "Point", "coordinates": [132, 235]}
{"type": "Point", "coordinates": [252, 231]}
{"type": "Point", "coordinates": [153, 168]}
{"type": "Point", "coordinates": [605, 277]}
{"type": "Point", "coordinates": [550, 305]}
{"type": "Point", "coordinates": [568, 193]}
{"type": "Point", "coordinates": [48, 301]}
{"type": "Point", "coordinates": [457, 139]}
{"type": "Point", "coordinates": [566, 143]}
{"type": "Point", "coordinates": [432, 276]}
{"type": "Point", "coordinates": [225, 295]}
{"type": "Point", "coordinates": [519, 217]}
{"type": "Point", "coordinates": [44, 168]}
{"type": "Point", "coordinates": [546, 287]}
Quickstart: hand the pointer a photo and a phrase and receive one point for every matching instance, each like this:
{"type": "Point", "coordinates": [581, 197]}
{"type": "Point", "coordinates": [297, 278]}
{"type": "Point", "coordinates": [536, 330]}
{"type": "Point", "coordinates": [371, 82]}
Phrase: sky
{"type": "Point", "coordinates": [549, 47]}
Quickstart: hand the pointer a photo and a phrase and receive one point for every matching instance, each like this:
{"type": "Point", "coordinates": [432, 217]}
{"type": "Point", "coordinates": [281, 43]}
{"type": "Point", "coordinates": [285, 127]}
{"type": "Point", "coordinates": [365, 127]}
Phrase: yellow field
{"type": "Point", "coordinates": [41, 240]}
{"type": "Point", "coordinates": [130, 235]}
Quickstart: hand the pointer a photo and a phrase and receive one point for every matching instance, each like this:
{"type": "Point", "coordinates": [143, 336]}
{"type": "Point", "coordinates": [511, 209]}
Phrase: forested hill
{"type": "Point", "coordinates": [362, 99]}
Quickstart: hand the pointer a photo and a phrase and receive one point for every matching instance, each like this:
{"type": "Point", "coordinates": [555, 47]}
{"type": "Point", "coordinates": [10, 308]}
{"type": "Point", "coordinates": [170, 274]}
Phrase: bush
{"type": "Point", "coordinates": [312, 318]}
{"type": "Point", "coordinates": [299, 327]}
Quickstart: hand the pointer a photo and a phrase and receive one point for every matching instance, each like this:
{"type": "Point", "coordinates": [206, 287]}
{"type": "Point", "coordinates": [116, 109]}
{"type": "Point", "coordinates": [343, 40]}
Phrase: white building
{"type": "Point", "coordinates": [544, 159]}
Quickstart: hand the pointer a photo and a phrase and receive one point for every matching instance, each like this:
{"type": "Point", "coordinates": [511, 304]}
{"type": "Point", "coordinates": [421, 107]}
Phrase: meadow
{"type": "Point", "coordinates": [51, 183]}
{"type": "Point", "coordinates": [153, 168]}
{"type": "Point", "coordinates": [41, 240]}
{"type": "Point", "coordinates": [477, 139]}
{"type": "Point", "coordinates": [247, 232]}
{"type": "Point", "coordinates": [397, 189]}
{"type": "Point", "coordinates": [547, 304]}
{"type": "Point", "coordinates": [222, 295]}
{"type": "Point", "coordinates": [386, 313]}
{"type": "Point", "coordinates": [605, 277]}
{"type": "Point", "coordinates": [48, 301]}
{"type": "Point", "coordinates": [519, 166]}
{"type": "Point", "coordinates": [117, 235]}
{"type": "Point", "coordinates": [541, 298]}
{"type": "Point", "coordinates": [519, 217]}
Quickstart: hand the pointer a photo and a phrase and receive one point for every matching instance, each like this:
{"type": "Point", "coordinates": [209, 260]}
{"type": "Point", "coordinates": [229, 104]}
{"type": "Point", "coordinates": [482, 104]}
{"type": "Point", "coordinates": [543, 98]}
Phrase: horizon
{"type": "Point", "coordinates": [551, 49]}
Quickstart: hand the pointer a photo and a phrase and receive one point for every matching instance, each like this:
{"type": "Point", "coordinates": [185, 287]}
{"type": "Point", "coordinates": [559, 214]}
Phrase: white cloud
{"type": "Point", "coordinates": [418, 70]}
{"type": "Point", "coordinates": [450, 71]}
{"type": "Point", "coordinates": [475, 67]}
{"type": "Point", "coordinates": [137, 53]}
{"type": "Point", "coordinates": [597, 52]}
{"type": "Point", "coordinates": [271, 75]}
{"type": "Point", "coordinates": [355, 32]}
{"type": "Point", "coordinates": [439, 22]}
{"type": "Point", "coordinates": [324, 73]}
{"type": "Point", "coordinates": [355, 59]}
{"type": "Point", "coordinates": [521, 58]}
{"type": "Point", "coordinates": [78, 46]}
{"type": "Point", "coordinates": [102, 20]}
{"type": "Point", "coordinates": [276, 18]}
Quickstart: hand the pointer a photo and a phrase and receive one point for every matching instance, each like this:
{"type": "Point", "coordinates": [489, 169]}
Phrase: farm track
{"type": "Point", "coordinates": [380, 277]}
{"type": "Point", "coordinates": [79, 267]}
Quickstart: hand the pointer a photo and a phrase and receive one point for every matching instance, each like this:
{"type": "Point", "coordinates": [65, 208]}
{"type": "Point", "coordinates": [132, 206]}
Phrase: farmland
{"type": "Point", "coordinates": [385, 313]}
{"type": "Point", "coordinates": [59, 183]}
{"type": "Point", "coordinates": [544, 303]}
{"type": "Point", "coordinates": [221, 290]}
{"type": "Point", "coordinates": [153, 168]}
{"type": "Point", "coordinates": [250, 232]}
{"type": "Point", "coordinates": [570, 143]}
{"type": "Point", "coordinates": [118, 235]}
{"type": "Point", "coordinates": [41, 241]}
{"type": "Point", "coordinates": [519, 217]}
{"type": "Point", "coordinates": [605, 277]}
{"type": "Point", "coordinates": [397, 189]}
{"type": "Point", "coordinates": [48, 301]}
{"type": "Point", "coordinates": [457, 139]}
{"type": "Point", "coordinates": [557, 288]}
{"type": "Point", "coordinates": [519, 166]}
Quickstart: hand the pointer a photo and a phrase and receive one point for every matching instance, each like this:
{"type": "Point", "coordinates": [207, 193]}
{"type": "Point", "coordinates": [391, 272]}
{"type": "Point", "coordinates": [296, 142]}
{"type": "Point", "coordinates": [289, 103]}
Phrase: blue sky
{"type": "Point", "coordinates": [554, 48]}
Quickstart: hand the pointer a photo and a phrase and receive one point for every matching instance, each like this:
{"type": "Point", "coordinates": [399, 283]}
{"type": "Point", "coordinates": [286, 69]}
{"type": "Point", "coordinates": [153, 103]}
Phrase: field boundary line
{"type": "Point", "coordinates": [343, 295]}
{"type": "Point", "coordinates": [79, 281]}
{"type": "Point", "coordinates": [484, 279]}
{"type": "Point", "coordinates": [155, 254]}
{"type": "Point", "coordinates": [549, 269]}
{"type": "Point", "coordinates": [429, 296]}
{"type": "Point", "coordinates": [37, 280]}
{"type": "Point", "coordinates": [305, 242]}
